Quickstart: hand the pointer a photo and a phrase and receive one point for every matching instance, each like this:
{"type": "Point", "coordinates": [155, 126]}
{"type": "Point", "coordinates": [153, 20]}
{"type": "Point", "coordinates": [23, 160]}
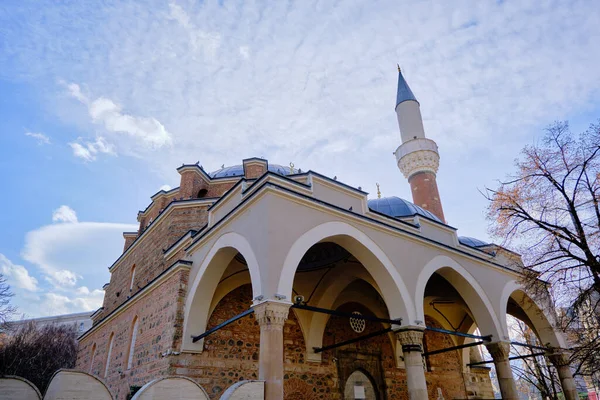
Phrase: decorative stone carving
{"type": "Point", "coordinates": [559, 358]}
{"type": "Point", "coordinates": [419, 161]}
{"type": "Point", "coordinates": [271, 315]}
{"type": "Point", "coordinates": [411, 339]}
{"type": "Point", "coordinates": [499, 350]}
{"type": "Point", "coordinates": [418, 155]}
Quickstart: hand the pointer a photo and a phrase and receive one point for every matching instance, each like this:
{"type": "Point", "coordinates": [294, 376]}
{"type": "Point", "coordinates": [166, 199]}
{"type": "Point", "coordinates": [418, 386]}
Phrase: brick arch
{"type": "Point", "coordinates": [209, 271]}
{"type": "Point", "coordinates": [332, 298]}
{"type": "Point", "coordinates": [468, 288]}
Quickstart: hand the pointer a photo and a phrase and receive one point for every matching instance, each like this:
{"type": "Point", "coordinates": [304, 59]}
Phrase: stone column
{"type": "Point", "coordinates": [411, 339]}
{"type": "Point", "coordinates": [500, 352]}
{"type": "Point", "coordinates": [561, 361]}
{"type": "Point", "coordinates": [271, 316]}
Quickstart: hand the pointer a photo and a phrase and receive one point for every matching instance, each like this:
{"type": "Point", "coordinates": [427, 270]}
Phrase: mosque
{"type": "Point", "coordinates": [265, 272]}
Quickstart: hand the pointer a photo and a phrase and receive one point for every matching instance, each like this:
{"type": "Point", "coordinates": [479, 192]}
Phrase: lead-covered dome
{"type": "Point", "coordinates": [399, 208]}
{"type": "Point", "coordinates": [238, 170]}
{"type": "Point", "coordinates": [471, 241]}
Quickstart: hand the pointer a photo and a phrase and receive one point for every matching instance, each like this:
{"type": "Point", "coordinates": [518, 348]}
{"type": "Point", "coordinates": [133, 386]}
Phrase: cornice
{"type": "Point", "coordinates": [176, 204]}
{"type": "Point", "coordinates": [404, 232]}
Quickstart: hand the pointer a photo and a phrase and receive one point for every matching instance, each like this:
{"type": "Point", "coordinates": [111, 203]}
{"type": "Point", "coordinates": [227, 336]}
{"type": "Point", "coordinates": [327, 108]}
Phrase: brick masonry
{"type": "Point", "coordinates": [425, 192]}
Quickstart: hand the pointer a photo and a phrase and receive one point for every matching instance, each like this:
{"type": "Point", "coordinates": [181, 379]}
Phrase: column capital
{"type": "Point", "coordinates": [558, 357]}
{"type": "Point", "coordinates": [411, 338]}
{"type": "Point", "coordinates": [499, 350]}
{"type": "Point", "coordinates": [272, 314]}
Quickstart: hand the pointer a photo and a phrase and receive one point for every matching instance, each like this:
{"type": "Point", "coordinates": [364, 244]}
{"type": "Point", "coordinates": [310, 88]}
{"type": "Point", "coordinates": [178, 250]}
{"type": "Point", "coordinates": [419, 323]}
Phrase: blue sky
{"type": "Point", "coordinates": [101, 101]}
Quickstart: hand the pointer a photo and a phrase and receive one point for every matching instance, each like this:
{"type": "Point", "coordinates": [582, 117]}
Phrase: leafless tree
{"type": "Point", "coordinates": [6, 309]}
{"type": "Point", "coordinates": [532, 372]}
{"type": "Point", "coordinates": [37, 353]}
{"type": "Point", "coordinates": [548, 211]}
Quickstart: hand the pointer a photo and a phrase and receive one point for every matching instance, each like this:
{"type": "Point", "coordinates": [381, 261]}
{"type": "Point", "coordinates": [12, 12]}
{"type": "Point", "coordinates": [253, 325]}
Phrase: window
{"type": "Point", "coordinates": [132, 343]}
{"type": "Point", "coordinates": [92, 357]}
{"type": "Point", "coordinates": [202, 193]}
{"type": "Point", "coordinates": [110, 346]}
{"type": "Point", "coordinates": [132, 278]}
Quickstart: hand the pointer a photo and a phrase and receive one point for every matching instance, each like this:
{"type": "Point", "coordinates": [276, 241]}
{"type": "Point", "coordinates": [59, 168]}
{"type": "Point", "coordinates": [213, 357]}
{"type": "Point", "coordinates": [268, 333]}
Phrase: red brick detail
{"type": "Point", "coordinates": [425, 193]}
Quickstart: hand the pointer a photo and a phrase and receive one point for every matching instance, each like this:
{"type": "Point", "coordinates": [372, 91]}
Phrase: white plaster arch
{"type": "Point", "coordinates": [201, 291]}
{"type": "Point", "coordinates": [536, 313]}
{"type": "Point", "coordinates": [371, 256]}
{"type": "Point", "coordinates": [469, 289]}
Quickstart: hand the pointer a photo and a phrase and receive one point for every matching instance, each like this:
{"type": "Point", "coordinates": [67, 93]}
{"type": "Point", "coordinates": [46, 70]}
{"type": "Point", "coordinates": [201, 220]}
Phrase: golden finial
{"type": "Point", "coordinates": [398, 67]}
{"type": "Point", "coordinates": [291, 168]}
{"type": "Point", "coordinates": [378, 191]}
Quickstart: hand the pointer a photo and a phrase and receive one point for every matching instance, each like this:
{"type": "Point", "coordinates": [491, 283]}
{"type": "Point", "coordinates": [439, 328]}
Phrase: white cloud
{"type": "Point", "coordinates": [74, 252]}
{"type": "Point", "coordinates": [88, 150]}
{"type": "Point", "coordinates": [245, 52]}
{"type": "Point", "coordinates": [146, 132]}
{"type": "Point", "coordinates": [39, 137]}
{"type": "Point", "coordinates": [489, 76]}
{"type": "Point", "coordinates": [55, 304]}
{"type": "Point", "coordinates": [64, 214]}
{"type": "Point", "coordinates": [166, 188]}
{"type": "Point", "coordinates": [17, 275]}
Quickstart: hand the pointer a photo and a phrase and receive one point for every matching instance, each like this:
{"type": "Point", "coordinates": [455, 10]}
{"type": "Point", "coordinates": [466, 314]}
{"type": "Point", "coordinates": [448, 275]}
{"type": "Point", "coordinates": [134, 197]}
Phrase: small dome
{"type": "Point", "coordinates": [471, 242]}
{"type": "Point", "coordinates": [399, 208]}
{"type": "Point", "coordinates": [238, 170]}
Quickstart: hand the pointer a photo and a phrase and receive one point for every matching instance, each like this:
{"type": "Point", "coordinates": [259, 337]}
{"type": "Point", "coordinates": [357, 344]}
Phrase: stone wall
{"type": "Point", "coordinates": [160, 322]}
{"type": "Point", "coordinates": [231, 354]}
{"type": "Point", "coordinates": [147, 256]}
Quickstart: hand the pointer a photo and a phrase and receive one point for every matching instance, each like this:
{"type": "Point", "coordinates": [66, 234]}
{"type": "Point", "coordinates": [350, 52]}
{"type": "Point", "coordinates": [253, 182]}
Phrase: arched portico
{"type": "Point", "coordinates": [371, 256]}
{"type": "Point", "coordinates": [468, 288]}
{"type": "Point", "coordinates": [536, 317]}
{"type": "Point", "coordinates": [210, 270]}
{"type": "Point", "coordinates": [518, 303]}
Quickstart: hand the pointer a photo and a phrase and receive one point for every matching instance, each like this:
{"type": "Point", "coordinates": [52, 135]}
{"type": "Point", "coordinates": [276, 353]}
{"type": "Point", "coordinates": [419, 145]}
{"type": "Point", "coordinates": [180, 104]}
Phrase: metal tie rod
{"type": "Point", "coordinates": [222, 325]}
{"type": "Point", "coordinates": [350, 341]}
{"type": "Point", "coordinates": [462, 346]}
{"type": "Point", "coordinates": [467, 335]}
{"type": "Point", "coordinates": [347, 315]}
{"type": "Point", "coordinates": [510, 358]}
{"type": "Point", "coordinates": [531, 346]}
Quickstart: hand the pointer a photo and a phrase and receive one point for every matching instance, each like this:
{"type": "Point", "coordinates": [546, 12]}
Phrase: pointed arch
{"type": "Point", "coordinates": [469, 289]}
{"type": "Point", "coordinates": [371, 256]}
{"type": "Point", "coordinates": [132, 339]}
{"type": "Point", "coordinates": [92, 357]}
{"type": "Point", "coordinates": [111, 342]}
{"type": "Point", "coordinates": [538, 316]}
{"type": "Point", "coordinates": [202, 289]}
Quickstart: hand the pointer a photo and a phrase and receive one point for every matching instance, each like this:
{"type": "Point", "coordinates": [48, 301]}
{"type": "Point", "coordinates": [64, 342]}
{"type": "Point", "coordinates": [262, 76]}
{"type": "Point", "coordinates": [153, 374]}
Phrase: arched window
{"type": "Point", "coordinates": [202, 193]}
{"type": "Point", "coordinates": [134, 331]}
{"type": "Point", "coordinates": [108, 355]}
{"type": "Point", "coordinates": [92, 357]}
{"type": "Point", "coordinates": [132, 278]}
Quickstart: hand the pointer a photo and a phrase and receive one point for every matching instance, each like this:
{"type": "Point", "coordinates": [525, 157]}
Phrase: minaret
{"type": "Point", "coordinates": [417, 156]}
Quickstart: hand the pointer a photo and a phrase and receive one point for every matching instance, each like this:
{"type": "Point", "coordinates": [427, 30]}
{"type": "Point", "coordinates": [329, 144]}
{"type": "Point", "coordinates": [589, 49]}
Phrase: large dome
{"type": "Point", "coordinates": [238, 170]}
{"type": "Point", "coordinates": [399, 208]}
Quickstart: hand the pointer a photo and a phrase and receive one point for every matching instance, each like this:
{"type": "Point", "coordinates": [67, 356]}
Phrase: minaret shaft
{"type": "Point", "coordinates": [418, 157]}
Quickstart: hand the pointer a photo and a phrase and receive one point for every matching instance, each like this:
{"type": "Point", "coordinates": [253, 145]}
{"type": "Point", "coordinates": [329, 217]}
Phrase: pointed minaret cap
{"type": "Point", "coordinates": [404, 93]}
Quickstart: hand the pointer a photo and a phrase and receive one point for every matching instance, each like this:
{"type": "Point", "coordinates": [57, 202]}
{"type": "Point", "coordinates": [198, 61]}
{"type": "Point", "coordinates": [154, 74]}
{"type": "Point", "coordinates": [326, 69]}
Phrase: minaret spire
{"type": "Point", "coordinates": [417, 156]}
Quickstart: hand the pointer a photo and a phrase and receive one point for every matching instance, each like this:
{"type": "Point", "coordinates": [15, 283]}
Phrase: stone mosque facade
{"type": "Point", "coordinates": [263, 272]}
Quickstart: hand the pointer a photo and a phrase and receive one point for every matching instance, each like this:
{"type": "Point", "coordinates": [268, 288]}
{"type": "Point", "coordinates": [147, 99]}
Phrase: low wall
{"type": "Point", "coordinates": [17, 388]}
